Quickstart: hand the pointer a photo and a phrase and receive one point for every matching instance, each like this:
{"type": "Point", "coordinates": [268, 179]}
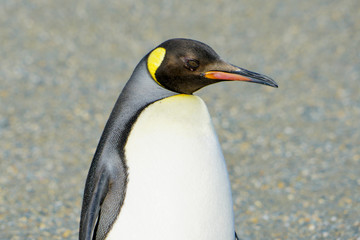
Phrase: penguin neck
{"type": "Point", "coordinates": [140, 91]}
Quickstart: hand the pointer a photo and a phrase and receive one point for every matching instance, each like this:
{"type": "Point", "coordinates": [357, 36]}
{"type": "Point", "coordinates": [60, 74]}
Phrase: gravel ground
{"type": "Point", "coordinates": [292, 153]}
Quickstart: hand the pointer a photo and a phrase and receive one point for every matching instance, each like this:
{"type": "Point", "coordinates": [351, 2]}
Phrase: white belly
{"type": "Point", "coordinates": [178, 184]}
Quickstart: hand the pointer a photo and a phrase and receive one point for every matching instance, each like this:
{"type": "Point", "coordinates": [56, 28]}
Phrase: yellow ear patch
{"type": "Point", "coordinates": [154, 61]}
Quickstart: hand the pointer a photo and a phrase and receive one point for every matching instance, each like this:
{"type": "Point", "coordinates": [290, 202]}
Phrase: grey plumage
{"type": "Point", "coordinates": [106, 182]}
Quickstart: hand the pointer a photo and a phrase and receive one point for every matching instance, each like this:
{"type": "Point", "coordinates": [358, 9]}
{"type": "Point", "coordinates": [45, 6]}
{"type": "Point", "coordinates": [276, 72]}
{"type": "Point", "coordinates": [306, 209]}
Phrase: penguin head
{"type": "Point", "coordinates": [185, 66]}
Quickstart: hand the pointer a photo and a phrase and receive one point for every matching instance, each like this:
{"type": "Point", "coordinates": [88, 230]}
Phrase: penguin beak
{"type": "Point", "coordinates": [233, 73]}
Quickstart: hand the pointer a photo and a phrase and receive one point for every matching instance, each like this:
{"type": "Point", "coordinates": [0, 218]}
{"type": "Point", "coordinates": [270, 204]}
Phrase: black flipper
{"type": "Point", "coordinates": [91, 207]}
{"type": "Point", "coordinates": [103, 198]}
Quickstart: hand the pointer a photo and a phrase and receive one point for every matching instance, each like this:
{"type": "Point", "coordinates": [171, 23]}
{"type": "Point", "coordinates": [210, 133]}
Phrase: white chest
{"type": "Point", "coordinates": [178, 186]}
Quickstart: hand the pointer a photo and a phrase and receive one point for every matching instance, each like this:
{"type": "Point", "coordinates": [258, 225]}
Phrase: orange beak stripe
{"type": "Point", "coordinates": [225, 76]}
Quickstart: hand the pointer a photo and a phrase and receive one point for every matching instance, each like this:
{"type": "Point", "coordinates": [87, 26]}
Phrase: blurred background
{"type": "Point", "coordinates": [292, 153]}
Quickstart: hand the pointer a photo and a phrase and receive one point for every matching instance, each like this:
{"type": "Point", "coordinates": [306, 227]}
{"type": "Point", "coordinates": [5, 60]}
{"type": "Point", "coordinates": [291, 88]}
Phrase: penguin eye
{"type": "Point", "coordinates": [192, 64]}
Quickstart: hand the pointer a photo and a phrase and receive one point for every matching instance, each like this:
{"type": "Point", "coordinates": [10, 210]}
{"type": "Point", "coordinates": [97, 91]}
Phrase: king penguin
{"type": "Point", "coordinates": [158, 171]}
